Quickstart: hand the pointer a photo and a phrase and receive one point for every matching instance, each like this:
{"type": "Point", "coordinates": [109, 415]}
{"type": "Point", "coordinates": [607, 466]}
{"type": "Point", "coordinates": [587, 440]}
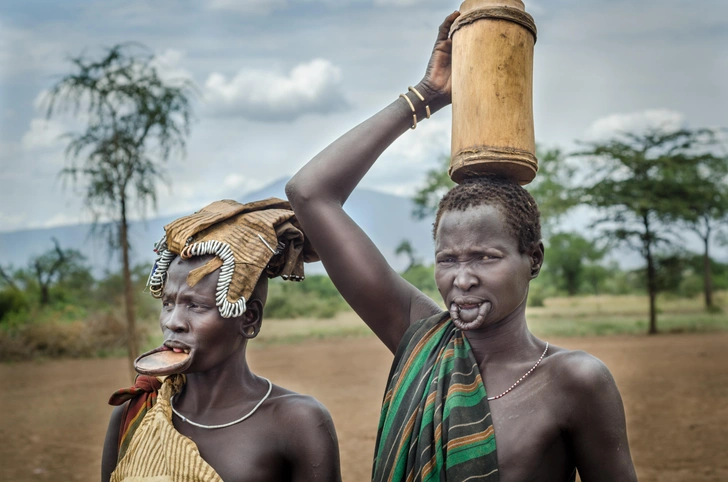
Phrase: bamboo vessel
{"type": "Point", "coordinates": [492, 91]}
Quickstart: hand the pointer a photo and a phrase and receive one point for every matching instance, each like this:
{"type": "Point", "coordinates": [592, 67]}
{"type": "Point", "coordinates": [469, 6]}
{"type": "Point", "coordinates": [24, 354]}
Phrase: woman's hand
{"type": "Point", "coordinates": [437, 81]}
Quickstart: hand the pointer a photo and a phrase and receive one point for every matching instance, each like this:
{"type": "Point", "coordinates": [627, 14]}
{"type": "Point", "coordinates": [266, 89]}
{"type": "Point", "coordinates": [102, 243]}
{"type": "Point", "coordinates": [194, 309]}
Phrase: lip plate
{"type": "Point", "coordinates": [143, 367]}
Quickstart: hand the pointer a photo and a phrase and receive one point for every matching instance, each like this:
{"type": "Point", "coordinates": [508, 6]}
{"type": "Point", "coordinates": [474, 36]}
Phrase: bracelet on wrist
{"type": "Point", "coordinates": [414, 113]}
{"type": "Point", "coordinates": [412, 106]}
{"type": "Point", "coordinates": [421, 97]}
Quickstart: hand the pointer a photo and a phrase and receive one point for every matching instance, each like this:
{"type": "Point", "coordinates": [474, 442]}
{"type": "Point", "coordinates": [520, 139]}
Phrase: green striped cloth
{"type": "Point", "coordinates": [435, 423]}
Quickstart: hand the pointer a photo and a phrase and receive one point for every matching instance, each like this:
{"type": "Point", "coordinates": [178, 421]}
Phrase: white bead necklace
{"type": "Point", "coordinates": [524, 376]}
{"type": "Point", "coordinates": [187, 420]}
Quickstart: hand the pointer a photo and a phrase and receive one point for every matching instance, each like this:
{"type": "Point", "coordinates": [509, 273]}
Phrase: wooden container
{"type": "Point", "coordinates": [492, 91]}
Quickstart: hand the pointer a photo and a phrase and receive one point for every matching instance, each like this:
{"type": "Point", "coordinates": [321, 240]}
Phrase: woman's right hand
{"type": "Point", "coordinates": [437, 81]}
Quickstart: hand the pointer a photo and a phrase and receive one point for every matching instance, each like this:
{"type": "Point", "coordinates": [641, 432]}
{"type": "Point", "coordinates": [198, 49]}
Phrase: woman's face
{"type": "Point", "coordinates": [191, 321]}
{"type": "Point", "coordinates": [480, 273]}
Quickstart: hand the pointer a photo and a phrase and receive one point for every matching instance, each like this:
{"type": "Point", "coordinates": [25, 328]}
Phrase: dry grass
{"type": "Point", "coordinates": [100, 334]}
{"type": "Point", "coordinates": [103, 334]}
{"type": "Point", "coordinates": [626, 314]}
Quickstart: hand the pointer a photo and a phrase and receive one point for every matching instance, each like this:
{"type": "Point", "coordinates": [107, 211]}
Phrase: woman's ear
{"type": "Point", "coordinates": [537, 256]}
{"type": "Point", "coordinates": [252, 319]}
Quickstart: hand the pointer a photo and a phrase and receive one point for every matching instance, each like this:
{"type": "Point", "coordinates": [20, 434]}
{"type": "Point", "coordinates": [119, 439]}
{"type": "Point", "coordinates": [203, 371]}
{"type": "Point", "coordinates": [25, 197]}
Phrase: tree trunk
{"type": "Point", "coordinates": [45, 296]}
{"type": "Point", "coordinates": [572, 285]}
{"type": "Point", "coordinates": [707, 275]}
{"type": "Point", "coordinates": [133, 345]}
{"type": "Point", "coordinates": [651, 277]}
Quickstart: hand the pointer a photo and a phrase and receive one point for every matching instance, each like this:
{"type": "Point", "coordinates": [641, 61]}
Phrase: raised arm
{"type": "Point", "coordinates": [385, 301]}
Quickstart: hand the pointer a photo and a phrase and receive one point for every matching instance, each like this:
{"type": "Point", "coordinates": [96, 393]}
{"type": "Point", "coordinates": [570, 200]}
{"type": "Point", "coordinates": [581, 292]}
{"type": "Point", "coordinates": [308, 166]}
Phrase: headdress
{"type": "Point", "coordinates": [246, 241]}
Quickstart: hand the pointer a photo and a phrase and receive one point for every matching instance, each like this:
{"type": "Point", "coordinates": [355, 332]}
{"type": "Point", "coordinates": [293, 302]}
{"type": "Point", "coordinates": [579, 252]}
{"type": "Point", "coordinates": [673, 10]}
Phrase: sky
{"type": "Point", "coordinates": [280, 79]}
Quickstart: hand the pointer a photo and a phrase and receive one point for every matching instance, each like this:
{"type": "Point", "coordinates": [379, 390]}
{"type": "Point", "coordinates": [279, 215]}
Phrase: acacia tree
{"type": "Point", "coordinates": [637, 184]}
{"type": "Point", "coordinates": [569, 259]}
{"type": "Point", "coordinates": [52, 266]}
{"type": "Point", "coordinates": [45, 271]}
{"type": "Point", "coordinates": [703, 173]}
{"type": "Point", "coordinates": [436, 184]}
{"type": "Point", "coordinates": [406, 248]}
{"type": "Point", "coordinates": [135, 120]}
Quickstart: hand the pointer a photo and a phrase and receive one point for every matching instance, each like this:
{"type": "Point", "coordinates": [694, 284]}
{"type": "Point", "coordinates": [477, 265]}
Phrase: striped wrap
{"type": "Point", "coordinates": [435, 423]}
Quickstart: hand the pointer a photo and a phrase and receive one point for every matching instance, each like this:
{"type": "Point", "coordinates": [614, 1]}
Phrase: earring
{"type": "Point", "coordinates": [251, 332]}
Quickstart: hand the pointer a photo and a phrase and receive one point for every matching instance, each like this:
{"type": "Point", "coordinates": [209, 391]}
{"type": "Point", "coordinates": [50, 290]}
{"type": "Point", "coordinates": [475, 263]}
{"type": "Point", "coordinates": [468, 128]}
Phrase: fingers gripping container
{"type": "Point", "coordinates": [492, 91]}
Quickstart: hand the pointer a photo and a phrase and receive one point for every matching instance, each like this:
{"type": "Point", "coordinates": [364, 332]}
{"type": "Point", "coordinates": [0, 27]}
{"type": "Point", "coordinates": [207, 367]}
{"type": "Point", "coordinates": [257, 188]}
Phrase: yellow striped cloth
{"type": "Point", "coordinates": [159, 453]}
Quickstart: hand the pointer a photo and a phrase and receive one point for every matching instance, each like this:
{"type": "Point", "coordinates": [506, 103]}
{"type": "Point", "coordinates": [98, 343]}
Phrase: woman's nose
{"type": "Point", "coordinates": [174, 321]}
{"type": "Point", "coordinates": [465, 279]}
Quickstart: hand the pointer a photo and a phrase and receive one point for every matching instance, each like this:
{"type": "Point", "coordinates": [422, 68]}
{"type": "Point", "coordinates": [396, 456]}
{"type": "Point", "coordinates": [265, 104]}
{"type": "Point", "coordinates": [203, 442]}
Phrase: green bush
{"type": "Point", "coordinates": [690, 286]}
{"type": "Point", "coordinates": [422, 277]}
{"type": "Point", "coordinates": [12, 302]}
{"type": "Point", "coordinates": [315, 297]}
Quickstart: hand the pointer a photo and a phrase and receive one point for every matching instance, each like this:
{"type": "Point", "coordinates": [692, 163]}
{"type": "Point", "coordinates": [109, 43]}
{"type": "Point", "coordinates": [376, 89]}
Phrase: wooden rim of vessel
{"type": "Point", "coordinates": [499, 13]}
{"type": "Point", "coordinates": [462, 165]}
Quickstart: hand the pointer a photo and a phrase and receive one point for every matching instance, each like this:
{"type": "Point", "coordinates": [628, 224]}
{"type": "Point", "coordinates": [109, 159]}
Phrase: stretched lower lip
{"type": "Point", "coordinates": [482, 311]}
{"type": "Point", "coordinates": [164, 361]}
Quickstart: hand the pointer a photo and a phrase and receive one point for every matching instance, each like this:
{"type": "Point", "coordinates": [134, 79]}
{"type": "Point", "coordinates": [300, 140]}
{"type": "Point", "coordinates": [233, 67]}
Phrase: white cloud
{"type": "Point", "coordinates": [259, 7]}
{"type": "Point", "coordinates": [168, 65]}
{"type": "Point", "coordinates": [312, 87]}
{"type": "Point", "coordinates": [237, 183]}
{"type": "Point", "coordinates": [430, 139]}
{"type": "Point", "coordinates": [403, 166]}
{"type": "Point", "coordinates": [43, 134]}
{"type": "Point", "coordinates": [636, 122]}
{"type": "Point", "coordinates": [68, 219]}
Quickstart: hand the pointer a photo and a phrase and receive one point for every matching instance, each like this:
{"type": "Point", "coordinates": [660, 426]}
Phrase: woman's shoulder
{"type": "Point", "coordinates": [578, 377]}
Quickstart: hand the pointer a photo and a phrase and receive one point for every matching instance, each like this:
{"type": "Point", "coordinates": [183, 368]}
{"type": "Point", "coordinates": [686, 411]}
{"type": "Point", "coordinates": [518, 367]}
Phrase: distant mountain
{"type": "Point", "coordinates": [384, 217]}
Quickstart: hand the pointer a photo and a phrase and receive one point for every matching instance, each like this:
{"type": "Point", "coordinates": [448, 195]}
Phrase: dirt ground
{"type": "Point", "coordinates": [53, 415]}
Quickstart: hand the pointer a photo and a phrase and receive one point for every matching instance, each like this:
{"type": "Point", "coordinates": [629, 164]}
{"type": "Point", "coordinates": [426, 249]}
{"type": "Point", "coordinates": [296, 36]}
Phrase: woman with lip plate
{"type": "Point", "coordinates": [472, 394]}
{"type": "Point", "coordinates": [197, 412]}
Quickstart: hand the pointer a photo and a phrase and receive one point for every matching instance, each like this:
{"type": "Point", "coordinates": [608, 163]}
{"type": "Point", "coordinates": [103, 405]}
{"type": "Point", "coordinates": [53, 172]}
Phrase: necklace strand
{"type": "Point", "coordinates": [187, 420]}
{"type": "Point", "coordinates": [524, 376]}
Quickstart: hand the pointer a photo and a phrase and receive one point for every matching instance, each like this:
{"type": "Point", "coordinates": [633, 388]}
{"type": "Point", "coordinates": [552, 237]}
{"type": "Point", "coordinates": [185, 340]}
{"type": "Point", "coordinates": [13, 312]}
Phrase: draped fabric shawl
{"type": "Point", "coordinates": [435, 423]}
{"type": "Point", "coordinates": [157, 452]}
{"type": "Point", "coordinates": [141, 397]}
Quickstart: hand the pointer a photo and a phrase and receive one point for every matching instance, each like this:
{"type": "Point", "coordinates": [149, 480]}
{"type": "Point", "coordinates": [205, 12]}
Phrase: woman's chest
{"type": "Point", "coordinates": [531, 440]}
{"type": "Point", "coordinates": [243, 453]}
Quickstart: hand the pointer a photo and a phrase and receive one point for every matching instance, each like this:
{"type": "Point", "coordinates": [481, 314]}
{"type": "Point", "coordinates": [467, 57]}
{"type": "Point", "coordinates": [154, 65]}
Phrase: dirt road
{"type": "Point", "coordinates": [53, 415]}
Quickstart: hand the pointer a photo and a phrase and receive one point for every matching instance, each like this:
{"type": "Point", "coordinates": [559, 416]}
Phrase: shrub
{"type": "Point", "coordinates": [47, 334]}
{"type": "Point", "coordinates": [12, 301]}
{"type": "Point", "coordinates": [422, 277]}
{"type": "Point", "coordinates": [315, 297]}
